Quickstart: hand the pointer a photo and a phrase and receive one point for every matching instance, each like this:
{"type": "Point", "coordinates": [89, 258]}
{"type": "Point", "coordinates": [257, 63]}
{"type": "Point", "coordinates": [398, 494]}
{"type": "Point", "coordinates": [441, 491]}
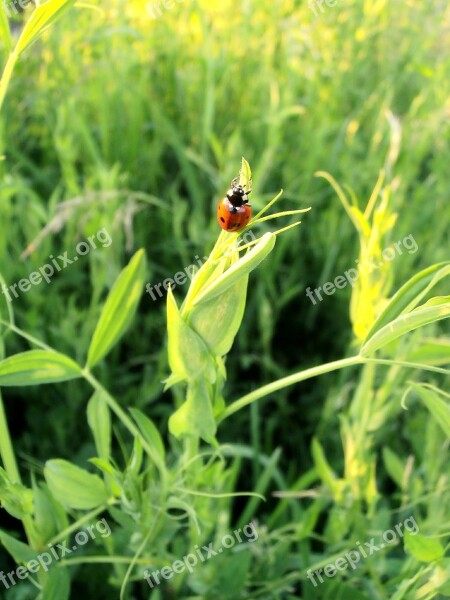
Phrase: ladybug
{"type": "Point", "coordinates": [234, 211]}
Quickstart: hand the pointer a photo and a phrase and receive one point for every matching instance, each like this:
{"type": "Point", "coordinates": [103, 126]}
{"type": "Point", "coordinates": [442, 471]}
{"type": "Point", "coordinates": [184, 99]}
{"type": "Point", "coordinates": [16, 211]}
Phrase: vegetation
{"type": "Point", "coordinates": [233, 403]}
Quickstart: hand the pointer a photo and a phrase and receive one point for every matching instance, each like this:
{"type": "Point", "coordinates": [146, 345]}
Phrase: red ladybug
{"type": "Point", "coordinates": [234, 211]}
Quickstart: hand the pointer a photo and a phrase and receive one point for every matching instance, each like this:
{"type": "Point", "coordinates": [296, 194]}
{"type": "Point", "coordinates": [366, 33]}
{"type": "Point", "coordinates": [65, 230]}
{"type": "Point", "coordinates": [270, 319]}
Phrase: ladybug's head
{"type": "Point", "coordinates": [237, 195]}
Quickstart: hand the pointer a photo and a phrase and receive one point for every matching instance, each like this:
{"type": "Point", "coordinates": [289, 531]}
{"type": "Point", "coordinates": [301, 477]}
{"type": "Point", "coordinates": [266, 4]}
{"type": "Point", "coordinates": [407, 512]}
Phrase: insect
{"type": "Point", "coordinates": [234, 211]}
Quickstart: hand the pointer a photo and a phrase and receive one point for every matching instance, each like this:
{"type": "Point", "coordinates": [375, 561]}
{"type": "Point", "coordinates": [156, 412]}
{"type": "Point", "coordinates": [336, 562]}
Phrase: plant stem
{"type": "Point", "coordinates": [279, 384]}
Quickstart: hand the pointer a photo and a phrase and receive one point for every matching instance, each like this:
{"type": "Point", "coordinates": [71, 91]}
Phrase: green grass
{"type": "Point", "coordinates": [142, 123]}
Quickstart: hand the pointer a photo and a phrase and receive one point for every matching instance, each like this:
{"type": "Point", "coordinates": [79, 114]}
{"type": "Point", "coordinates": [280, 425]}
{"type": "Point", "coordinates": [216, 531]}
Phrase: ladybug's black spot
{"type": "Point", "coordinates": [222, 219]}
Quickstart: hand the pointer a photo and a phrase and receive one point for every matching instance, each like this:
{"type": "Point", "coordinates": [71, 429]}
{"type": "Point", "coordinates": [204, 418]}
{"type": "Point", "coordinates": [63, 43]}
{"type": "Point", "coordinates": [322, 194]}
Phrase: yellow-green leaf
{"type": "Point", "coordinates": [245, 175]}
{"type": "Point", "coordinates": [226, 312]}
{"type": "Point", "coordinates": [42, 17]}
{"type": "Point", "coordinates": [424, 315]}
{"type": "Point", "coordinates": [195, 417]}
{"type": "Point", "coordinates": [35, 367]}
{"type": "Point", "coordinates": [5, 33]}
{"type": "Point", "coordinates": [241, 268]}
{"type": "Point", "coordinates": [188, 354]}
{"type": "Point", "coordinates": [423, 548]}
{"type": "Point", "coordinates": [409, 295]}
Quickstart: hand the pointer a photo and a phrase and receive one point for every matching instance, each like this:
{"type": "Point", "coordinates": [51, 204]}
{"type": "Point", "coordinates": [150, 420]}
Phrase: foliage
{"type": "Point", "coordinates": [114, 120]}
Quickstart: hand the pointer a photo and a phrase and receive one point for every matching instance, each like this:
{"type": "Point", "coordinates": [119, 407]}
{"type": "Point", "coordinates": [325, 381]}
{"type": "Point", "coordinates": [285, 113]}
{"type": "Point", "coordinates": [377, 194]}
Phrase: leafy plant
{"type": "Point", "coordinates": [120, 121]}
{"type": "Point", "coordinates": [146, 490]}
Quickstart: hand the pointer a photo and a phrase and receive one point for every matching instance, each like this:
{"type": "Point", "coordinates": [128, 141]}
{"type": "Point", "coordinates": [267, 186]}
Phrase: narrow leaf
{"type": "Point", "coordinates": [439, 409]}
{"type": "Point", "coordinates": [409, 295]}
{"type": "Point", "coordinates": [245, 175]}
{"type": "Point", "coordinates": [35, 367]}
{"type": "Point", "coordinates": [394, 466]}
{"type": "Point", "coordinates": [42, 17]}
{"type": "Point", "coordinates": [424, 315]}
{"type": "Point", "coordinates": [323, 468]}
{"type": "Point", "coordinates": [151, 435]}
{"type": "Point", "coordinates": [188, 354]}
{"type": "Point", "coordinates": [119, 309]}
{"type": "Point", "coordinates": [99, 419]}
{"type": "Point", "coordinates": [57, 585]}
{"type": "Point", "coordinates": [5, 33]}
{"type": "Point", "coordinates": [434, 351]}
{"type": "Point", "coordinates": [241, 268]}
{"type": "Point", "coordinates": [20, 552]}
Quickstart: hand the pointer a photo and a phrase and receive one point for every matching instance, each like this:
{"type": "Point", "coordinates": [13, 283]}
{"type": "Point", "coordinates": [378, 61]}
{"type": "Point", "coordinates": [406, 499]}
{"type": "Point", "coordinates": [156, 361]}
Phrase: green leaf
{"type": "Point", "coordinates": [195, 417]}
{"type": "Point", "coordinates": [135, 460]}
{"type": "Point", "coordinates": [224, 578]}
{"type": "Point", "coordinates": [57, 585]}
{"type": "Point", "coordinates": [14, 497]}
{"type": "Point", "coordinates": [152, 437]}
{"type": "Point", "coordinates": [119, 309]}
{"type": "Point", "coordinates": [423, 548]}
{"type": "Point", "coordinates": [432, 351]}
{"type": "Point", "coordinates": [439, 409]}
{"type": "Point", "coordinates": [226, 312]}
{"type": "Point", "coordinates": [74, 487]}
{"type": "Point", "coordinates": [99, 419]}
{"type": "Point", "coordinates": [324, 470]}
{"type": "Point", "coordinates": [42, 17]}
{"type": "Point", "coordinates": [20, 552]}
{"type": "Point", "coordinates": [241, 268]}
{"type": "Point", "coordinates": [342, 591]}
{"type": "Point", "coordinates": [5, 33]}
{"type": "Point", "coordinates": [409, 295]}
{"type": "Point", "coordinates": [113, 477]}
{"type": "Point", "coordinates": [35, 367]}
{"type": "Point", "coordinates": [105, 467]}
{"type": "Point", "coordinates": [245, 175]}
{"type": "Point", "coordinates": [394, 466]}
{"type": "Point", "coordinates": [434, 310]}
{"type": "Point", "coordinates": [188, 354]}
{"type": "Point", "coordinates": [49, 515]}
